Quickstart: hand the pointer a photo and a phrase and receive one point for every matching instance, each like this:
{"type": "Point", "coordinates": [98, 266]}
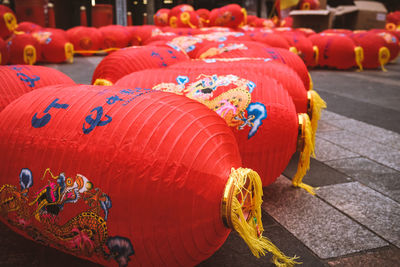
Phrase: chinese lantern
{"type": "Point", "coordinates": [8, 22]}
{"type": "Point", "coordinates": [83, 16]}
{"type": "Point", "coordinates": [309, 4]}
{"type": "Point", "coordinates": [391, 42]}
{"type": "Point", "coordinates": [123, 62]}
{"type": "Point", "coordinates": [17, 80]}
{"type": "Point", "coordinates": [143, 32]}
{"type": "Point", "coordinates": [3, 52]}
{"type": "Point", "coordinates": [231, 15]}
{"type": "Point", "coordinates": [123, 156]}
{"type": "Point", "coordinates": [86, 40]}
{"type": "Point", "coordinates": [376, 54]}
{"type": "Point", "coordinates": [28, 27]}
{"type": "Point", "coordinates": [175, 13]}
{"type": "Point", "coordinates": [54, 46]}
{"type": "Point", "coordinates": [251, 20]}
{"type": "Point", "coordinates": [115, 36]}
{"type": "Point", "coordinates": [337, 51]}
{"type": "Point", "coordinates": [23, 49]}
{"type": "Point", "coordinates": [304, 47]}
{"type": "Point", "coordinates": [204, 15]}
{"type": "Point", "coordinates": [270, 38]}
{"type": "Point", "coordinates": [161, 17]}
{"type": "Point", "coordinates": [259, 111]}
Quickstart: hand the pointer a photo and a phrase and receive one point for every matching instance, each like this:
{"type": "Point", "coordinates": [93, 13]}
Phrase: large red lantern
{"type": "Point", "coordinates": [28, 27]}
{"type": "Point", "coordinates": [18, 80]}
{"type": "Point", "coordinates": [86, 40]}
{"type": "Point", "coordinates": [8, 22]}
{"type": "Point", "coordinates": [115, 36]}
{"type": "Point", "coordinates": [376, 54]}
{"type": "Point", "coordinates": [24, 49]}
{"type": "Point", "coordinates": [259, 111]}
{"type": "Point", "coordinates": [175, 13]}
{"type": "Point", "coordinates": [337, 51]}
{"type": "Point", "coordinates": [391, 42]}
{"type": "Point", "coordinates": [125, 61]}
{"type": "Point", "coordinates": [54, 46]}
{"type": "Point", "coordinates": [204, 15]}
{"type": "Point", "coordinates": [304, 47]}
{"type": "Point", "coordinates": [231, 15]}
{"type": "Point", "coordinates": [121, 157]}
{"type": "Point", "coordinates": [270, 38]}
{"type": "Point", "coordinates": [3, 52]}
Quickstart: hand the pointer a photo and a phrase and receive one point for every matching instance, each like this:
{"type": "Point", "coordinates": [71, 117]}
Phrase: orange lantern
{"type": "Point", "coordinates": [376, 54]}
{"type": "Point", "coordinates": [123, 156]}
{"type": "Point", "coordinates": [18, 80]}
{"type": "Point", "coordinates": [161, 17]}
{"type": "Point", "coordinates": [257, 108]}
{"type": "Point", "coordinates": [23, 49]}
{"type": "Point", "coordinates": [86, 40]}
{"type": "Point", "coordinates": [125, 61]}
{"type": "Point", "coordinates": [8, 22]}
{"type": "Point", "coordinates": [337, 51]}
{"type": "Point", "coordinates": [3, 52]}
{"type": "Point", "coordinates": [55, 46]}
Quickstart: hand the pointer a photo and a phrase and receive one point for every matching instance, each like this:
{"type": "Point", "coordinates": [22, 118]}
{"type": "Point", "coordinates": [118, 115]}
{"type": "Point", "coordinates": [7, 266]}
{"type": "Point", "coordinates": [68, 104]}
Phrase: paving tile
{"type": "Point", "coordinates": [322, 228]}
{"type": "Point", "coordinates": [329, 116]}
{"type": "Point", "coordinates": [325, 126]}
{"type": "Point", "coordinates": [319, 174]}
{"type": "Point", "coordinates": [371, 174]}
{"type": "Point", "coordinates": [234, 252]}
{"type": "Point", "coordinates": [388, 256]}
{"type": "Point", "coordinates": [380, 153]}
{"type": "Point", "coordinates": [325, 151]}
{"type": "Point", "coordinates": [370, 208]}
{"type": "Point", "coordinates": [372, 132]}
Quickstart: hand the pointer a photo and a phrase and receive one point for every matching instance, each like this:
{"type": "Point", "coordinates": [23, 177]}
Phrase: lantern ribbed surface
{"type": "Point", "coordinates": [17, 80]}
{"type": "Point", "coordinates": [54, 46]}
{"type": "Point", "coordinates": [257, 108]}
{"type": "Point", "coordinates": [24, 49]}
{"type": "Point", "coordinates": [139, 179]}
{"type": "Point", "coordinates": [303, 46]}
{"type": "Point", "coordinates": [85, 38]}
{"type": "Point", "coordinates": [125, 61]}
{"type": "Point", "coordinates": [115, 36]}
{"type": "Point", "coordinates": [3, 52]}
{"type": "Point", "coordinates": [335, 50]}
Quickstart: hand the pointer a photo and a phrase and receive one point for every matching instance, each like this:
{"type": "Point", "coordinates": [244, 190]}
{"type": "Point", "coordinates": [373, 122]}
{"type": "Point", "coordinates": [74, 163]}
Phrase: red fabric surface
{"type": "Point", "coordinates": [16, 47]}
{"type": "Point", "coordinates": [151, 175]}
{"type": "Point", "coordinates": [85, 38]}
{"type": "Point", "coordinates": [3, 52]}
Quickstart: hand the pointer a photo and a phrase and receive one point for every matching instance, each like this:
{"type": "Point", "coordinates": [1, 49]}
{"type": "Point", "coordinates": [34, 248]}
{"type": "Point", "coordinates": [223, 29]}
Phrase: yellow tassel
{"type": "Point", "coordinates": [359, 55]}
{"type": "Point", "coordinates": [307, 149]}
{"type": "Point", "coordinates": [384, 56]}
{"type": "Point", "coordinates": [316, 104]}
{"type": "Point", "coordinates": [241, 211]}
{"type": "Point", "coordinates": [96, 51]}
{"type": "Point", "coordinates": [102, 82]}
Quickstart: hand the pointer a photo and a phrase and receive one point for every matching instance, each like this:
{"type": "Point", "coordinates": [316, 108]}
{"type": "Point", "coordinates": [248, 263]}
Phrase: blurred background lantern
{"type": "Point", "coordinates": [86, 40]}
{"type": "Point", "coordinates": [54, 46]}
{"type": "Point", "coordinates": [23, 49]}
{"type": "Point", "coordinates": [8, 22]}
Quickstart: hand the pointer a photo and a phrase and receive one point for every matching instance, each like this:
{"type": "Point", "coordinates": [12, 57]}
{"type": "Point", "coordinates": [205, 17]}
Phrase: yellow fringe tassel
{"type": "Point", "coordinates": [316, 105]}
{"type": "Point", "coordinates": [243, 195]}
{"type": "Point", "coordinates": [103, 82]}
{"type": "Point", "coordinates": [307, 151]}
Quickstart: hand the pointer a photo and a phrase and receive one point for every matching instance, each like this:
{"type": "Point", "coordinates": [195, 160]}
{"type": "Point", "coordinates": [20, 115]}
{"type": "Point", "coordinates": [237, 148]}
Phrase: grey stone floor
{"type": "Point", "coordinates": [354, 219]}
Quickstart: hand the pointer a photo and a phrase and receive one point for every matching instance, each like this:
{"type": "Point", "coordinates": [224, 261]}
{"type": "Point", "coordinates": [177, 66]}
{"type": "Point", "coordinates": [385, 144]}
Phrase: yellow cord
{"type": "Point", "coordinates": [103, 82]}
{"type": "Point", "coordinates": [96, 51]}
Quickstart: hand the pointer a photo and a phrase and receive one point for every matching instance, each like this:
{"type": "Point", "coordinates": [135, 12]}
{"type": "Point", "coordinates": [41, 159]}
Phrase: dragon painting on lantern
{"type": "Point", "coordinates": [37, 213]}
{"type": "Point", "coordinates": [233, 105]}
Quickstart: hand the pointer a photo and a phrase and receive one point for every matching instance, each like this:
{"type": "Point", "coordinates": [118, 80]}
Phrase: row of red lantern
{"type": "Point", "coordinates": [82, 166]}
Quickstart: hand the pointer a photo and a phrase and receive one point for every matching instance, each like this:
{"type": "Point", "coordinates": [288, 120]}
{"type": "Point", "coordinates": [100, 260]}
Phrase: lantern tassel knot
{"type": "Point", "coordinates": [243, 195]}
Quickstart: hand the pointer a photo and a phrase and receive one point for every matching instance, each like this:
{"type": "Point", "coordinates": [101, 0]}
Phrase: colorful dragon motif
{"type": "Point", "coordinates": [234, 105]}
{"type": "Point", "coordinates": [85, 234]}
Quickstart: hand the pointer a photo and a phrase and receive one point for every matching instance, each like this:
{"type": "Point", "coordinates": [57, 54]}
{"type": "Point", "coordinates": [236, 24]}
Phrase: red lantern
{"type": "Point", "coordinates": [270, 38]}
{"type": "Point", "coordinates": [143, 32]}
{"type": "Point", "coordinates": [86, 40]}
{"type": "Point", "coordinates": [54, 46]}
{"type": "Point", "coordinates": [231, 15]}
{"type": "Point", "coordinates": [17, 80]}
{"type": "Point", "coordinates": [28, 27]}
{"type": "Point", "coordinates": [3, 52]}
{"type": "Point", "coordinates": [24, 49]}
{"type": "Point", "coordinates": [175, 13]}
{"type": "Point", "coordinates": [204, 15]}
{"type": "Point", "coordinates": [115, 36]}
{"type": "Point", "coordinates": [337, 51]}
{"type": "Point", "coordinates": [259, 111]}
{"type": "Point", "coordinates": [338, 31]}
{"type": "Point", "coordinates": [391, 42]}
{"type": "Point", "coordinates": [123, 62]}
{"type": "Point", "coordinates": [161, 17]}
{"type": "Point", "coordinates": [309, 4]}
{"type": "Point", "coordinates": [123, 156]}
{"type": "Point", "coordinates": [303, 46]}
{"type": "Point", "coordinates": [8, 22]}
{"type": "Point", "coordinates": [102, 15]}
{"type": "Point", "coordinates": [376, 54]}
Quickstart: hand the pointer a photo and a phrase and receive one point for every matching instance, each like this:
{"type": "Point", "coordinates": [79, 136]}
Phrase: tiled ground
{"type": "Point", "coordinates": [354, 220]}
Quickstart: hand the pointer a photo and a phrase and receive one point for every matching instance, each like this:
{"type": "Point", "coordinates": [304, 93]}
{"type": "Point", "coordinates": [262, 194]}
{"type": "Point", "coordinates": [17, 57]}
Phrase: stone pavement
{"type": "Point", "coordinates": [354, 220]}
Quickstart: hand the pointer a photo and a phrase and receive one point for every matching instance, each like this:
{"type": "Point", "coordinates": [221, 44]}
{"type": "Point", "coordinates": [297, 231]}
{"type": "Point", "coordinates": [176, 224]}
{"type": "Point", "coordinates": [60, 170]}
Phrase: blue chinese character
{"type": "Point", "coordinates": [96, 121]}
{"type": "Point", "coordinates": [112, 99]}
{"type": "Point", "coordinates": [40, 122]}
{"type": "Point", "coordinates": [30, 81]}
